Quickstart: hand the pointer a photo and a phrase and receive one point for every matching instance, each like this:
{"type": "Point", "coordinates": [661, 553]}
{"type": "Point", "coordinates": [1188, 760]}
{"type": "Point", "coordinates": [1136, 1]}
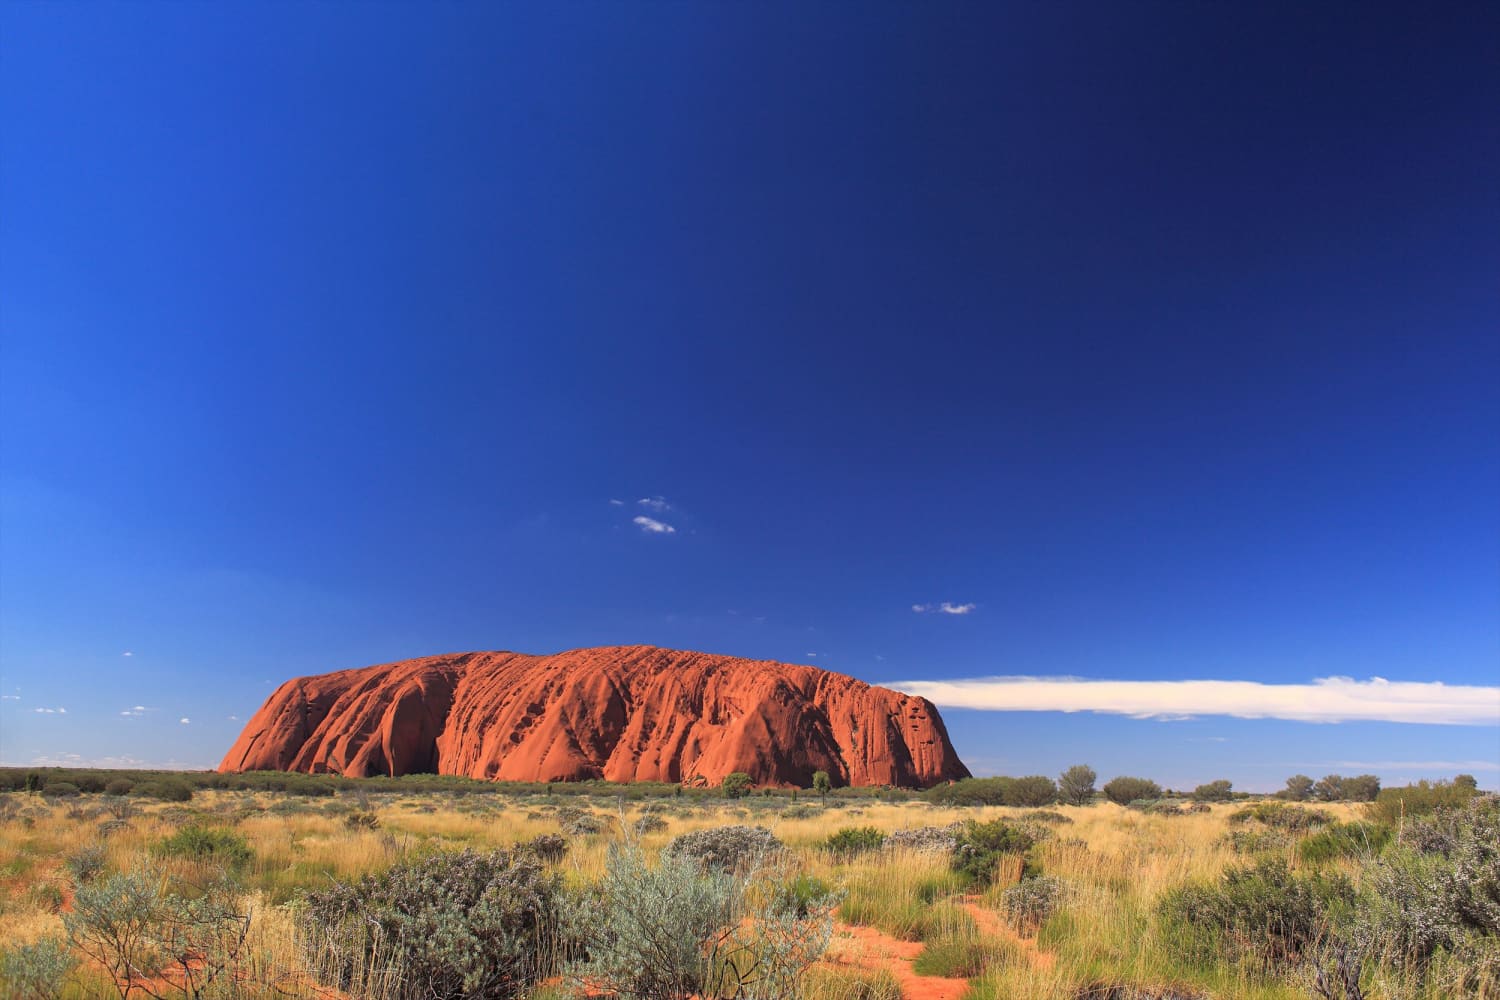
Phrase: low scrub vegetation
{"type": "Point", "coordinates": [243, 894]}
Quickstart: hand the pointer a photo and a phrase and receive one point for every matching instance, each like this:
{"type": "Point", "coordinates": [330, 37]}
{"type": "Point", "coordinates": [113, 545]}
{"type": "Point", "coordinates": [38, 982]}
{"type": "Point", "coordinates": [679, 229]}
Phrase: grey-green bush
{"type": "Point", "coordinates": [1448, 900]}
{"type": "Point", "coordinates": [459, 925]}
{"type": "Point", "coordinates": [37, 971]}
{"type": "Point", "coordinates": [682, 929]}
{"type": "Point", "coordinates": [1261, 913]}
{"type": "Point", "coordinates": [1031, 901]}
{"type": "Point", "coordinates": [725, 847]}
{"type": "Point", "coordinates": [135, 926]}
{"type": "Point", "coordinates": [86, 864]}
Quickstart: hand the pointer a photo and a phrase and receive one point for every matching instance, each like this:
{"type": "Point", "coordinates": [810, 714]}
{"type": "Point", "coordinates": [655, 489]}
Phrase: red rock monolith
{"type": "Point", "coordinates": [621, 713]}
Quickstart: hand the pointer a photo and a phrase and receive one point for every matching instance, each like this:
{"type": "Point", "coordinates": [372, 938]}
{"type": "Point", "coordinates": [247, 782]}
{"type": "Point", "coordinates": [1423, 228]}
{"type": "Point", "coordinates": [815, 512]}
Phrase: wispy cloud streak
{"type": "Point", "coordinates": [1433, 766]}
{"type": "Point", "coordinates": [1327, 699]}
{"type": "Point", "coordinates": [652, 526]}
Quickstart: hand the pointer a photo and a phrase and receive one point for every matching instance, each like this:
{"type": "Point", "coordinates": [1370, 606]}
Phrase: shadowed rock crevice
{"type": "Point", "coordinates": [623, 713]}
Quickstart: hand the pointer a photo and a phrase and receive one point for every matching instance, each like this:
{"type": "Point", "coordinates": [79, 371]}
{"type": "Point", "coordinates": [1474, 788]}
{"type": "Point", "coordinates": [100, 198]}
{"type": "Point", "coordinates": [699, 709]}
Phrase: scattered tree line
{"type": "Point", "coordinates": [1075, 786]}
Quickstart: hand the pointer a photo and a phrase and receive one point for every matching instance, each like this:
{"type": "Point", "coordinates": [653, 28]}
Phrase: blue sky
{"type": "Point", "coordinates": [1158, 340]}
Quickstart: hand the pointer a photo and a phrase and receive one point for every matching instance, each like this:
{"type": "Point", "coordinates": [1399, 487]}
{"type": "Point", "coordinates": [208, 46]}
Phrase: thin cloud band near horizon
{"type": "Point", "coordinates": [1326, 699]}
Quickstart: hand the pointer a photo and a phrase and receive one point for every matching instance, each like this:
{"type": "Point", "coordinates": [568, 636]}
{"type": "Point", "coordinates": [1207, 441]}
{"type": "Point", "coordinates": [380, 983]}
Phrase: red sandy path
{"type": "Point", "coordinates": [990, 923]}
{"type": "Point", "coordinates": [874, 949]}
{"type": "Point", "coordinates": [878, 950]}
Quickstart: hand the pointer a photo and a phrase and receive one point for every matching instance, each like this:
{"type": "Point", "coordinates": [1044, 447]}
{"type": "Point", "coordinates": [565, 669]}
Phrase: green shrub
{"type": "Point", "coordinates": [1076, 785]}
{"type": "Point", "coordinates": [852, 840]}
{"type": "Point", "coordinates": [970, 792]}
{"type": "Point", "coordinates": [1046, 816]}
{"type": "Point", "coordinates": [60, 790]}
{"type": "Point", "coordinates": [1280, 816]}
{"type": "Point", "coordinates": [1031, 791]}
{"type": "Point", "coordinates": [1337, 788]}
{"type": "Point", "coordinates": [119, 786]}
{"type": "Point", "coordinates": [1257, 841]}
{"type": "Point", "coordinates": [736, 785]}
{"type": "Point", "coordinates": [1125, 790]}
{"type": "Point", "coordinates": [90, 782]}
{"type": "Point", "coordinates": [37, 971]}
{"type": "Point", "coordinates": [726, 848]}
{"type": "Point", "coordinates": [170, 790]}
{"type": "Point", "coordinates": [1298, 788]}
{"type": "Point", "coordinates": [1392, 805]}
{"type": "Point", "coordinates": [1344, 840]}
{"type": "Point", "coordinates": [457, 925]}
{"type": "Point", "coordinates": [204, 843]}
{"type": "Point", "coordinates": [981, 846]}
{"type": "Point", "coordinates": [1423, 904]}
{"type": "Point", "coordinates": [803, 893]}
{"type": "Point", "coordinates": [1214, 791]}
{"type": "Point", "coordinates": [1260, 913]}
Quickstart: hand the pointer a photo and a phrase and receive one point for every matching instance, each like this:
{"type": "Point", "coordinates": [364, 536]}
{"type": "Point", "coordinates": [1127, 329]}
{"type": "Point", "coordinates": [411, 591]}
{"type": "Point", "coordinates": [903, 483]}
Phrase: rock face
{"type": "Point", "coordinates": [622, 713]}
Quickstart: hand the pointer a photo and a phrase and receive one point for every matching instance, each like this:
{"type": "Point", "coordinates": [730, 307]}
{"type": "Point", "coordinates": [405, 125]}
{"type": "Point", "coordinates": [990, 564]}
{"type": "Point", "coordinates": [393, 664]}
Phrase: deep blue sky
{"type": "Point", "coordinates": [1164, 335]}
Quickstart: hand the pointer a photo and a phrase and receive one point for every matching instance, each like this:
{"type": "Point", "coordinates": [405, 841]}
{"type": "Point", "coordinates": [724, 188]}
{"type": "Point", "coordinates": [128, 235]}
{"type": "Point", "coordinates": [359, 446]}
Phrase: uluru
{"type": "Point", "coordinates": [620, 713]}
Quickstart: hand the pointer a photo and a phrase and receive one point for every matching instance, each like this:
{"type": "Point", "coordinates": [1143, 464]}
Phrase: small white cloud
{"type": "Point", "coordinates": [879, 657]}
{"type": "Point", "coordinates": [10, 697]}
{"type": "Point", "coordinates": [652, 526]}
{"type": "Point", "coordinates": [658, 504]}
{"type": "Point", "coordinates": [127, 653]}
{"type": "Point", "coordinates": [183, 720]}
{"type": "Point", "coordinates": [616, 503]}
{"type": "Point", "coordinates": [813, 655]}
{"type": "Point", "coordinates": [50, 711]}
{"type": "Point", "coordinates": [921, 609]}
{"type": "Point", "coordinates": [233, 718]}
{"type": "Point", "coordinates": [140, 708]}
{"type": "Point", "coordinates": [947, 608]}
